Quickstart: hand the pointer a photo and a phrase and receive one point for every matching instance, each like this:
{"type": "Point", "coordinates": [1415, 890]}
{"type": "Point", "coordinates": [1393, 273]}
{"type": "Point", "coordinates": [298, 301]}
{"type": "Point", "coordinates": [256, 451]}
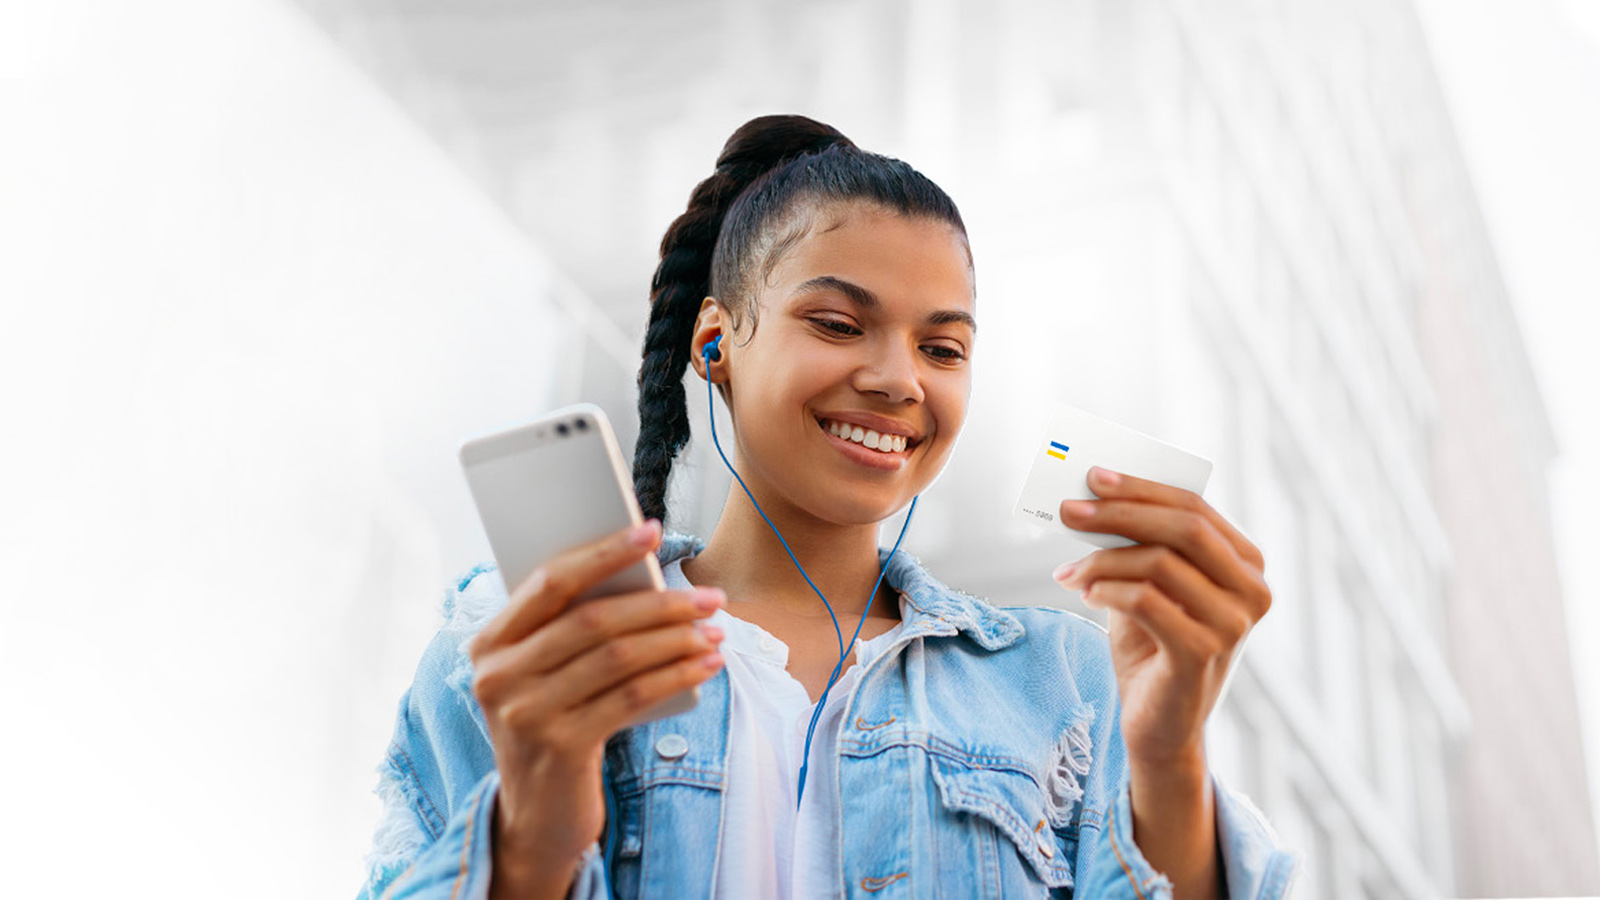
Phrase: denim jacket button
{"type": "Point", "coordinates": [1046, 846]}
{"type": "Point", "coordinates": [672, 746]}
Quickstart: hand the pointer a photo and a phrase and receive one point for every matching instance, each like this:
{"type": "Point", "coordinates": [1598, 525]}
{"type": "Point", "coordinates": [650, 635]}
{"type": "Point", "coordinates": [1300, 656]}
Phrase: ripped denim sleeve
{"type": "Point", "coordinates": [401, 835]}
{"type": "Point", "coordinates": [407, 865]}
{"type": "Point", "coordinates": [426, 844]}
{"type": "Point", "coordinates": [436, 785]}
{"type": "Point", "coordinates": [438, 782]}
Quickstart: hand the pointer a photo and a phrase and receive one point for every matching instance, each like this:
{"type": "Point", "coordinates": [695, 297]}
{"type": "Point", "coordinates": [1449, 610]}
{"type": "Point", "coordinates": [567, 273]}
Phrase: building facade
{"type": "Point", "coordinates": [1244, 227]}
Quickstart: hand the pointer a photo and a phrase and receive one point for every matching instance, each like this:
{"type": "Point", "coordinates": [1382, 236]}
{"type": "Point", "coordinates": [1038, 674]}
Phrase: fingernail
{"type": "Point", "coordinates": [531, 585]}
{"type": "Point", "coordinates": [713, 661]}
{"type": "Point", "coordinates": [644, 535]}
{"type": "Point", "coordinates": [712, 632]}
{"type": "Point", "coordinates": [1107, 476]}
{"type": "Point", "coordinates": [1078, 509]}
{"type": "Point", "coordinates": [709, 599]}
{"type": "Point", "coordinates": [1064, 570]}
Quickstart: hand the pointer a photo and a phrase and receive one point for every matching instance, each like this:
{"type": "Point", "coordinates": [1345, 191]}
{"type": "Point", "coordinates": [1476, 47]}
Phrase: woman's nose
{"type": "Point", "coordinates": [892, 373]}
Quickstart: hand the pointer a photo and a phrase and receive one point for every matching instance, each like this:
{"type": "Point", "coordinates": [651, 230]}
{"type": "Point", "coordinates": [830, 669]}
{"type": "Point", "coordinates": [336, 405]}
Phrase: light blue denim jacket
{"type": "Point", "coordinates": [981, 756]}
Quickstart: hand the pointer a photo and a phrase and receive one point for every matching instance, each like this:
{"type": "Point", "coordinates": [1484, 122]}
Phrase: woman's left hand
{"type": "Point", "coordinates": [1180, 602]}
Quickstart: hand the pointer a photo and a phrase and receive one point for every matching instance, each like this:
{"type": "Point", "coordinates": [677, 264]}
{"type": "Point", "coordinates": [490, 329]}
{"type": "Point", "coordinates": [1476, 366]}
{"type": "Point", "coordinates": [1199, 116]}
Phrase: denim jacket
{"type": "Point", "coordinates": [981, 756]}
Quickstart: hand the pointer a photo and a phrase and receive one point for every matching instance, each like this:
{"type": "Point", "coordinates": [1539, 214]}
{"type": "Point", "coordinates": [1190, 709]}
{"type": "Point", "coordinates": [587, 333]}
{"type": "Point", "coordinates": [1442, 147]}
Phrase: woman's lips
{"type": "Point", "coordinates": [892, 461]}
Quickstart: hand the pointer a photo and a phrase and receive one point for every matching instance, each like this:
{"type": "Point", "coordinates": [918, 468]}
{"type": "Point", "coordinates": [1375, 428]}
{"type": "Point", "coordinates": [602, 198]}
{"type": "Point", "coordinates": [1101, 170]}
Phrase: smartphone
{"type": "Point", "coordinates": [553, 483]}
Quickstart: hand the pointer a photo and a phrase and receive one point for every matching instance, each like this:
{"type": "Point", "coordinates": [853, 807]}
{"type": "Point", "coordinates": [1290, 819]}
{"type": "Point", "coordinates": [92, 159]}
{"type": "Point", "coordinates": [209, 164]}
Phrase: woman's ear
{"type": "Point", "coordinates": [710, 324]}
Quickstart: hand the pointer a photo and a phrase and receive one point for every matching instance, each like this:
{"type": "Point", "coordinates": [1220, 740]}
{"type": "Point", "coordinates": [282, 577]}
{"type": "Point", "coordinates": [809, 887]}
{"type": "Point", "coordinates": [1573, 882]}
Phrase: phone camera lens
{"type": "Point", "coordinates": [561, 429]}
{"type": "Point", "coordinates": [583, 424]}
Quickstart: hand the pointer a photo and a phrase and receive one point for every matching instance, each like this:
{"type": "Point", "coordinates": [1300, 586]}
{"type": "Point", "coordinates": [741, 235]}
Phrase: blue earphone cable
{"type": "Point", "coordinates": [805, 759]}
{"type": "Point", "coordinates": [712, 353]}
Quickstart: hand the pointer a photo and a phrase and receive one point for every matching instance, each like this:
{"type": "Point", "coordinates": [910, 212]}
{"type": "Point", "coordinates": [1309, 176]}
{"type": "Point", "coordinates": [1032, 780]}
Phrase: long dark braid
{"type": "Point", "coordinates": [765, 169]}
{"type": "Point", "coordinates": [683, 279]}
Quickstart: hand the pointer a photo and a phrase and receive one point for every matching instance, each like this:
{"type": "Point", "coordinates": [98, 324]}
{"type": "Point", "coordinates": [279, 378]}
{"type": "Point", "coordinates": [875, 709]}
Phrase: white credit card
{"type": "Point", "coordinates": [1074, 440]}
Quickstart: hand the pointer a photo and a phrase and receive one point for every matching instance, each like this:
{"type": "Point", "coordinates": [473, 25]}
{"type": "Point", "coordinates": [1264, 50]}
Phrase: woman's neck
{"type": "Point", "coordinates": [745, 559]}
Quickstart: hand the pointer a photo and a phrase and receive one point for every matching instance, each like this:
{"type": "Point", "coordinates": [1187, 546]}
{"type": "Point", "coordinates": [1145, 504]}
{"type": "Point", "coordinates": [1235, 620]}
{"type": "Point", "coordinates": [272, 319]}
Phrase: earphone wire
{"type": "Point", "coordinates": [805, 760]}
{"type": "Point", "coordinates": [711, 412]}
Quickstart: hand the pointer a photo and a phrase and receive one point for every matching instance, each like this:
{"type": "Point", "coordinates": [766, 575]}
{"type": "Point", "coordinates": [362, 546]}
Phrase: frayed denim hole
{"type": "Point", "coordinates": [630, 838]}
{"type": "Point", "coordinates": [478, 597]}
{"type": "Point", "coordinates": [1069, 769]}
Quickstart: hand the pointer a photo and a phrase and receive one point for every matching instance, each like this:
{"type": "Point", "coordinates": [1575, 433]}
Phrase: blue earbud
{"type": "Point", "coordinates": [713, 353]}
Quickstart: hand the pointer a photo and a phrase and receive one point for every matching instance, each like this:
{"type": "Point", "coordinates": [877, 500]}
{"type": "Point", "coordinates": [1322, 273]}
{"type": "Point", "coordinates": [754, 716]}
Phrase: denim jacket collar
{"type": "Point", "coordinates": [930, 607]}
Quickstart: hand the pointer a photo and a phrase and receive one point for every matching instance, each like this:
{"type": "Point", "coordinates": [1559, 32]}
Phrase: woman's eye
{"type": "Point", "coordinates": [837, 327]}
{"type": "Point", "coordinates": [942, 352]}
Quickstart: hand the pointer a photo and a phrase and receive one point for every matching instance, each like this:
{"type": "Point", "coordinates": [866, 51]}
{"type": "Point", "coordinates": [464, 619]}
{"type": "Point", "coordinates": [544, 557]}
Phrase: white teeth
{"type": "Point", "coordinates": [884, 443]}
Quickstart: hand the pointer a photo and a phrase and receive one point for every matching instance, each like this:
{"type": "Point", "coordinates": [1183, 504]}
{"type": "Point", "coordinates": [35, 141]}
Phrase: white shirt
{"type": "Point", "coordinates": [768, 848]}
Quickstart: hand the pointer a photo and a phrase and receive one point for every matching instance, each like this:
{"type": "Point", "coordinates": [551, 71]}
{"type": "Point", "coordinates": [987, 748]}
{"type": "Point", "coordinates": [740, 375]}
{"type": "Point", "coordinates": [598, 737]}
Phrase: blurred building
{"type": "Point", "coordinates": [1245, 227]}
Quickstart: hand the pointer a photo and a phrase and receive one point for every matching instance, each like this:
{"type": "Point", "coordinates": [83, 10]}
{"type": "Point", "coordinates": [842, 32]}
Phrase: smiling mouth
{"type": "Point", "coordinates": [886, 444]}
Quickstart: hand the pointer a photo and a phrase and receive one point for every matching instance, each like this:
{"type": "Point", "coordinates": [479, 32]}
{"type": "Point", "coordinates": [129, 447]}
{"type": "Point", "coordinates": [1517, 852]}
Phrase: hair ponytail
{"type": "Point", "coordinates": [683, 279]}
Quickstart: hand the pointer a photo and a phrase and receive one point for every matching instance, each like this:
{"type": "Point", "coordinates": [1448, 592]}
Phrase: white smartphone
{"type": "Point", "coordinates": [551, 484]}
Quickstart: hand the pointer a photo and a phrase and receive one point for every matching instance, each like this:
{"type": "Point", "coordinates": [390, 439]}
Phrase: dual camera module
{"type": "Point", "coordinates": [564, 429]}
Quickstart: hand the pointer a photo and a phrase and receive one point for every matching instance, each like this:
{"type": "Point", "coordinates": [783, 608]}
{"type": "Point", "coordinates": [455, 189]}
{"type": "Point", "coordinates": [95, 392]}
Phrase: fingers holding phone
{"type": "Point", "coordinates": [558, 487]}
{"type": "Point", "coordinates": [593, 651]}
{"type": "Point", "coordinates": [556, 678]}
{"type": "Point", "coordinates": [548, 590]}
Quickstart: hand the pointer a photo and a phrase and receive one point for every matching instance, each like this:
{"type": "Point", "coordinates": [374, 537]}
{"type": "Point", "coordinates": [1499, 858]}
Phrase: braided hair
{"type": "Point", "coordinates": [773, 175]}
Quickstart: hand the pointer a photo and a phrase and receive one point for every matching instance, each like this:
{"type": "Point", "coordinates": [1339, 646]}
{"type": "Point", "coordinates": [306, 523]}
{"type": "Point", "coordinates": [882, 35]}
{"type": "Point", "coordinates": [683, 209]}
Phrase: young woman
{"type": "Point", "coordinates": [963, 749]}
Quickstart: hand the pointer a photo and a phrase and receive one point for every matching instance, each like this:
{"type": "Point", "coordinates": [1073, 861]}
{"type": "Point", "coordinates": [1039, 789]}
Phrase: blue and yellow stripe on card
{"type": "Point", "coordinates": [1059, 451]}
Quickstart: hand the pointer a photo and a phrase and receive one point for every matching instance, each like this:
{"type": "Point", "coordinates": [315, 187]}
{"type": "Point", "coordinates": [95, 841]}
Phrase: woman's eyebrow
{"type": "Point", "coordinates": [867, 300]}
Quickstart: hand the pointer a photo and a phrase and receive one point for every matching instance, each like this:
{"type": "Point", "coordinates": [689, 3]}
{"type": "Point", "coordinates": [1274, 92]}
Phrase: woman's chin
{"type": "Point", "coordinates": [858, 510]}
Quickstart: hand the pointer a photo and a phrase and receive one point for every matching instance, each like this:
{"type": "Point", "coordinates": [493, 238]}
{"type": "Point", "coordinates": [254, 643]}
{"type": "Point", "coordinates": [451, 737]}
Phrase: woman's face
{"type": "Point", "coordinates": [867, 324]}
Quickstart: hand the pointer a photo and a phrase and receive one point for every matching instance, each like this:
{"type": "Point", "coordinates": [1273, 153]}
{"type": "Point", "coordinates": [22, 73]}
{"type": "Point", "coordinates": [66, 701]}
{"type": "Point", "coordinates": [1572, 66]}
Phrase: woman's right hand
{"type": "Point", "coordinates": [556, 680]}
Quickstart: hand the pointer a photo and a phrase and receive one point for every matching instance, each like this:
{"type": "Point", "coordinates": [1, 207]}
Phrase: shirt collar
{"type": "Point", "coordinates": [931, 607]}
